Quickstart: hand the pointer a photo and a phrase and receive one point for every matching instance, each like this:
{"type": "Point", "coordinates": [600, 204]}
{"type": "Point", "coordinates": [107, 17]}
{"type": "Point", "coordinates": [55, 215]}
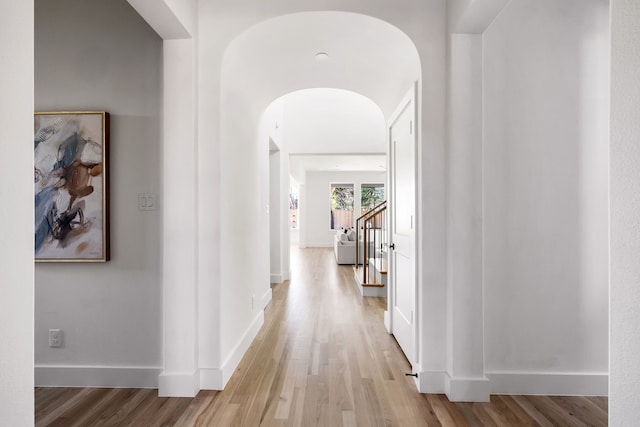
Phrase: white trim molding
{"type": "Point", "coordinates": [232, 361]}
{"type": "Point", "coordinates": [210, 379]}
{"type": "Point", "coordinates": [387, 321]}
{"type": "Point", "coordinates": [96, 376]}
{"type": "Point", "coordinates": [430, 381]}
{"type": "Point", "coordinates": [178, 385]}
{"type": "Point", "coordinates": [560, 383]}
{"type": "Point", "coordinates": [468, 389]}
{"type": "Point", "coordinates": [266, 299]}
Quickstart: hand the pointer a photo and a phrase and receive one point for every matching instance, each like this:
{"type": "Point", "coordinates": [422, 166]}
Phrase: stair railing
{"type": "Point", "coordinates": [371, 234]}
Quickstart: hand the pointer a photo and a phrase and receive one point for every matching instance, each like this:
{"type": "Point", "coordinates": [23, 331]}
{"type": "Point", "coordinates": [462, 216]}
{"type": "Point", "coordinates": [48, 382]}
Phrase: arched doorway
{"type": "Point", "coordinates": [239, 72]}
{"type": "Point", "coordinates": [361, 54]}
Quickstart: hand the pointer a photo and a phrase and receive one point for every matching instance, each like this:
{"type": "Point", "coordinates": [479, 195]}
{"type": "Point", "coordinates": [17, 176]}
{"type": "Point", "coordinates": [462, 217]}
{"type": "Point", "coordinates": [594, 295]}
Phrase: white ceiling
{"type": "Point", "coordinates": [277, 57]}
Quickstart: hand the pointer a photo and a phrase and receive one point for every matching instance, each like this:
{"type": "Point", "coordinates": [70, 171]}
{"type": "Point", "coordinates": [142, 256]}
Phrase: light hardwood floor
{"type": "Point", "coordinates": [322, 358]}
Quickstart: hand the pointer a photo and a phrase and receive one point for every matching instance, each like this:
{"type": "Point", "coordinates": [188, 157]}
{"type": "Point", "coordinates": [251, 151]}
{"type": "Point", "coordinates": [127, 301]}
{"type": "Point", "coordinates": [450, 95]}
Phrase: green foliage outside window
{"type": "Point", "coordinates": [371, 195]}
{"type": "Point", "coordinates": [342, 197]}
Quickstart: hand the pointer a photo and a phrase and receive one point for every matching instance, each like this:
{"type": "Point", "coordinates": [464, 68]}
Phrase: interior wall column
{"type": "Point", "coordinates": [465, 333]}
{"type": "Point", "coordinates": [275, 213]}
{"type": "Point", "coordinates": [285, 236]}
{"type": "Point", "coordinates": [624, 375]}
{"type": "Point", "coordinates": [16, 215]}
{"type": "Point", "coordinates": [302, 215]}
{"type": "Point", "coordinates": [180, 376]}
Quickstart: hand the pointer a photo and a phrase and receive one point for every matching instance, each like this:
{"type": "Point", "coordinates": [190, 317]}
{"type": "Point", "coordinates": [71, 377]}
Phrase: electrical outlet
{"type": "Point", "coordinates": [55, 338]}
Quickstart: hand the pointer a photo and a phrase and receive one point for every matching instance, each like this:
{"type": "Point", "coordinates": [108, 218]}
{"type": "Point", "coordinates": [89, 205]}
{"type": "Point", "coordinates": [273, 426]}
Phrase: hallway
{"type": "Point", "coordinates": [323, 358]}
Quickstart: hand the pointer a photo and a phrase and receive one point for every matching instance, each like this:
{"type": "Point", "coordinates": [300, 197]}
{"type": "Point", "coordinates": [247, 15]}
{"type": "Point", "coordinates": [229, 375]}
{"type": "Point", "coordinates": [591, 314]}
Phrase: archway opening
{"type": "Point", "coordinates": [338, 50]}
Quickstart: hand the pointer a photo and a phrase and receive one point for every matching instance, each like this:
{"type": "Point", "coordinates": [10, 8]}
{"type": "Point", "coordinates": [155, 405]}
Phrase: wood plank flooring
{"type": "Point", "coordinates": [322, 358]}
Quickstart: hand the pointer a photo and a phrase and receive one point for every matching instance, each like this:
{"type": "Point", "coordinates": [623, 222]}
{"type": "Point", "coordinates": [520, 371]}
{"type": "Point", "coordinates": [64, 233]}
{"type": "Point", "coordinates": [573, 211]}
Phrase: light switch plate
{"type": "Point", "coordinates": [55, 338]}
{"type": "Point", "coordinates": [147, 202]}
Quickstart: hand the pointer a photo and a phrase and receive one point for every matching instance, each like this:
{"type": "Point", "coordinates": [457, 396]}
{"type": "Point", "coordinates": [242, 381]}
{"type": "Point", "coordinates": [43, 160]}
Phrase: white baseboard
{"type": "Point", "coordinates": [279, 278]}
{"type": "Point", "coordinates": [276, 278]}
{"type": "Point", "coordinates": [232, 361]}
{"type": "Point", "coordinates": [468, 389]}
{"type": "Point", "coordinates": [479, 389]}
{"type": "Point", "coordinates": [178, 385]}
{"type": "Point", "coordinates": [211, 379]}
{"type": "Point", "coordinates": [266, 298]}
{"type": "Point", "coordinates": [430, 381]}
{"type": "Point", "coordinates": [96, 376]}
{"type": "Point", "coordinates": [559, 384]}
{"type": "Point", "coordinates": [387, 321]}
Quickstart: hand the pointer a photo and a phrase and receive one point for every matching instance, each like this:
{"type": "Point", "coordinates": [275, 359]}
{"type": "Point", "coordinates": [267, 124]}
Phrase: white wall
{"type": "Point", "coordinates": [285, 236]}
{"type": "Point", "coordinates": [272, 133]}
{"type": "Point", "coordinates": [179, 233]}
{"type": "Point", "coordinates": [317, 211]}
{"type": "Point", "coordinates": [472, 16]}
{"type": "Point", "coordinates": [279, 237]}
{"type": "Point", "coordinates": [171, 19]}
{"type": "Point", "coordinates": [16, 215]}
{"type": "Point", "coordinates": [244, 222]}
{"type": "Point", "coordinates": [625, 222]}
{"type": "Point", "coordinates": [274, 217]}
{"type": "Point", "coordinates": [186, 12]}
{"type": "Point", "coordinates": [465, 334]}
{"type": "Point", "coordinates": [545, 196]}
{"type": "Point", "coordinates": [110, 313]}
{"type": "Point", "coordinates": [302, 213]}
{"type": "Point", "coordinates": [455, 11]}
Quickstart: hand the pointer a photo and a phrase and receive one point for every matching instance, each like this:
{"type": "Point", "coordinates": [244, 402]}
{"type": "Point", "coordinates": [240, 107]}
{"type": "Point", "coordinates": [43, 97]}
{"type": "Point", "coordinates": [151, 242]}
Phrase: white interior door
{"type": "Point", "coordinates": [402, 224]}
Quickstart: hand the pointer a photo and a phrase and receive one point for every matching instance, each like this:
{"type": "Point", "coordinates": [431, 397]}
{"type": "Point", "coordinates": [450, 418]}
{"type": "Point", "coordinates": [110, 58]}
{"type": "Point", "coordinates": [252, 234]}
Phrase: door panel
{"type": "Point", "coordinates": [402, 210]}
{"type": "Point", "coordinates": [403, 302]}
{"type": "Point", "coordinates": [402, 194]}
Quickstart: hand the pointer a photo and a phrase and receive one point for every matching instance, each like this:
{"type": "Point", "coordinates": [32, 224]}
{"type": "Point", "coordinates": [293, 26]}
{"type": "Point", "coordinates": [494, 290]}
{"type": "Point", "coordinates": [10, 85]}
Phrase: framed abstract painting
{"type": "Point", "coordinates": [71, 186]}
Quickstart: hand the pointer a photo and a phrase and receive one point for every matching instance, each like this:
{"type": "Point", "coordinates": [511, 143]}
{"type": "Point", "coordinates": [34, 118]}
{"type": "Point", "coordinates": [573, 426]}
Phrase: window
{"type": "Point", "coordinates": [341, 206]}
{"type": "Point", "coordinates": [370, 196]}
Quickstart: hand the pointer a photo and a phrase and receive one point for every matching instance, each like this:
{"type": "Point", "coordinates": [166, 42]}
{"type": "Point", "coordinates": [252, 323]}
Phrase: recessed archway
{"type": "Point", "coordinates": [321, 130]}
{"type": "Point", "coordinates": [208, 325]}
{"type": "Point", "coordinates": [364, 55]}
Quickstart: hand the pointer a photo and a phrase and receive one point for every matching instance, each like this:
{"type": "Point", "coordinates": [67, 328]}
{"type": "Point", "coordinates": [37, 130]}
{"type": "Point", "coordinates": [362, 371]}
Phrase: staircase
{"type": "Point", "coordinates": [370, 271]}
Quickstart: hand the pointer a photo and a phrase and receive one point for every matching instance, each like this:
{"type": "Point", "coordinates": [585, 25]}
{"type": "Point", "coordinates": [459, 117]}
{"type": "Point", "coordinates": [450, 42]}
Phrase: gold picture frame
{"type": "Point", "coordinates": [71, 186]}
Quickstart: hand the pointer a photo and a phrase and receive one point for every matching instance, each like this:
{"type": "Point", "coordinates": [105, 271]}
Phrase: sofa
{"type": "Point", "coordinates": [344, 246]}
